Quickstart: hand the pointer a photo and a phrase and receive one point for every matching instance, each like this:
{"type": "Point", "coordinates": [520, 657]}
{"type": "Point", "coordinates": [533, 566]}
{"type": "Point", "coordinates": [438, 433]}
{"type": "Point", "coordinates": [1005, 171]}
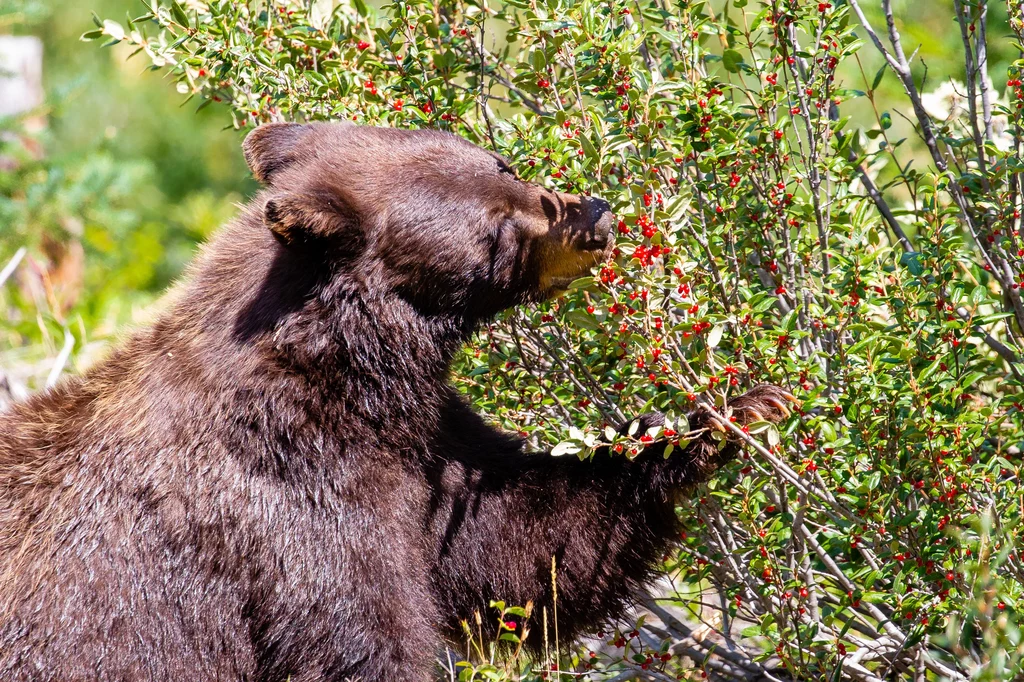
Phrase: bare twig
{"type": "Point", "coordinates": [12, 265]}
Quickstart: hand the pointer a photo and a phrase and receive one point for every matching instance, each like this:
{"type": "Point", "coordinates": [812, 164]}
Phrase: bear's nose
{"type": "Point", "coordinates": [598, 219]}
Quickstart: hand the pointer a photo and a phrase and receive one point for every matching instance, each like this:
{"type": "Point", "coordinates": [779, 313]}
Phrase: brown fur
{"type": "Point", "coordinates": [275, 481]}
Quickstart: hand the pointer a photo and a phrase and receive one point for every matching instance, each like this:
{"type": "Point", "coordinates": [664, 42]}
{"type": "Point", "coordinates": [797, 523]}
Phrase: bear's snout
{"type": "Point", "coordinates": [597, 223]}
{"type": "Point", "coordinates": [574, 240]}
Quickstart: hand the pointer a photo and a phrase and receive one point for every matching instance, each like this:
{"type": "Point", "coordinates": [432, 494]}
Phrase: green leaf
{"type": "Point", "coordinates": [969, 380]}
{"type": "Point", "coordinates": [179, 14]}
{"type": "Point", "coordinates": [588, 148]}
{"type": "Point", "coordinates": [565, 448]}
{"type": "Point", "coordinates": [715, 335]}
{"type": "Point", "coordinates": [758, 427]}
{"type": "Point", "coordinates": [878, 77]}
{"type": "Point", "coordinates": [872, 479]}
{"type": "Point", "coordinates": [537, 60]}
{"type": "Point", "coordinates": [731, 60]}
{"type": "Point", "coordinates": [911, 260]}
{"type": "Point", "coordinates": [113, 29]}
{"type": "Point", "coordinates": [583, 320]}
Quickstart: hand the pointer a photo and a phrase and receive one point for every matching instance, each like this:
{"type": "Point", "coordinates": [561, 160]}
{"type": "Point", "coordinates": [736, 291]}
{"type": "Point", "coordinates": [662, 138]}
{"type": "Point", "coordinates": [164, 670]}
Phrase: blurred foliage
{"type": "Point", "coordinates": [110, 187]}
{"type": "Point", "coordinates": [96, 94]}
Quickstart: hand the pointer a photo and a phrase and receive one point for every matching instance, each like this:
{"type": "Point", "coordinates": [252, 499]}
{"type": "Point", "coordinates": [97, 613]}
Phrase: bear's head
{"type": "Point", "coordinates": [423, 215]}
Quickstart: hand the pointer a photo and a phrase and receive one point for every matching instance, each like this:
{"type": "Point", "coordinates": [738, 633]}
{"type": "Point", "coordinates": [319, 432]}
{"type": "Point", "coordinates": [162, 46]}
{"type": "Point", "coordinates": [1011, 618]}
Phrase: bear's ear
{"type": "Point", "coordinates": [314, 217]}
{"type": "Point", "coordinates": [271, 147]}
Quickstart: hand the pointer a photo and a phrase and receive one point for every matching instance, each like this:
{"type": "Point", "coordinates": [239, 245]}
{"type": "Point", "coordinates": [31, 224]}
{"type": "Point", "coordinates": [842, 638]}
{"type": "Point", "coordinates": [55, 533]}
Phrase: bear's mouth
{"type": "Point", "coordinates": [562, 272]}
{"type": "Point", "coordinates": [561, 284]}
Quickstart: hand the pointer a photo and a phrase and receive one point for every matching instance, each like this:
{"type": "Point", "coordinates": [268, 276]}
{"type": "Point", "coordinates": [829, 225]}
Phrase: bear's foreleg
{"type": "Point", "coordinates": [503, 517]}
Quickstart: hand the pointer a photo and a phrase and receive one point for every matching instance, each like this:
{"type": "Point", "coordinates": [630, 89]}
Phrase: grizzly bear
{"type": "Point", "coordinates": [276, 481]}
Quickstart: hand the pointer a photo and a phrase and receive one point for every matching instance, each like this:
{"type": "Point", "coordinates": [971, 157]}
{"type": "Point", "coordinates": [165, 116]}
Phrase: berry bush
{"type": "Point", "coordinates": [779, 221]}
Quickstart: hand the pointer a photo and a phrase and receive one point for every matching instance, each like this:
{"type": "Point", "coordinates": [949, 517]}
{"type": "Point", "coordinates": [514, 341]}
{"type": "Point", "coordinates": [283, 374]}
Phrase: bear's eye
{"type": "Point", "coordinates": [505, 168]}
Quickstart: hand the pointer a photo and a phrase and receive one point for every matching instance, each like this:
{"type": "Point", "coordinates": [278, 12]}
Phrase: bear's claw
{"type": "Point", "coordinates": [764, 402]}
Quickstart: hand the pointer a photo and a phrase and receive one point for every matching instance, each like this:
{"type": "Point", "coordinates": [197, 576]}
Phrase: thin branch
{"type": "Point", "coordinates": [12, 265]}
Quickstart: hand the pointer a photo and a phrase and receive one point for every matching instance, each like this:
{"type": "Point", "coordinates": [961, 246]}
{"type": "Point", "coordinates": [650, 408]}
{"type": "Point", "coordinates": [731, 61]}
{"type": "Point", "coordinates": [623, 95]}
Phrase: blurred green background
{"type": "Point", "coordinates": [100, 102]}
{"type": "Point", "coordinates": [184, 169]}
{"type": "Point", "coordinates": [110, 196]}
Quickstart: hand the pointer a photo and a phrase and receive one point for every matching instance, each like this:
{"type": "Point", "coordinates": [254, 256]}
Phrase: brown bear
{"type": "Point", "coordinates": [275, 481]}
